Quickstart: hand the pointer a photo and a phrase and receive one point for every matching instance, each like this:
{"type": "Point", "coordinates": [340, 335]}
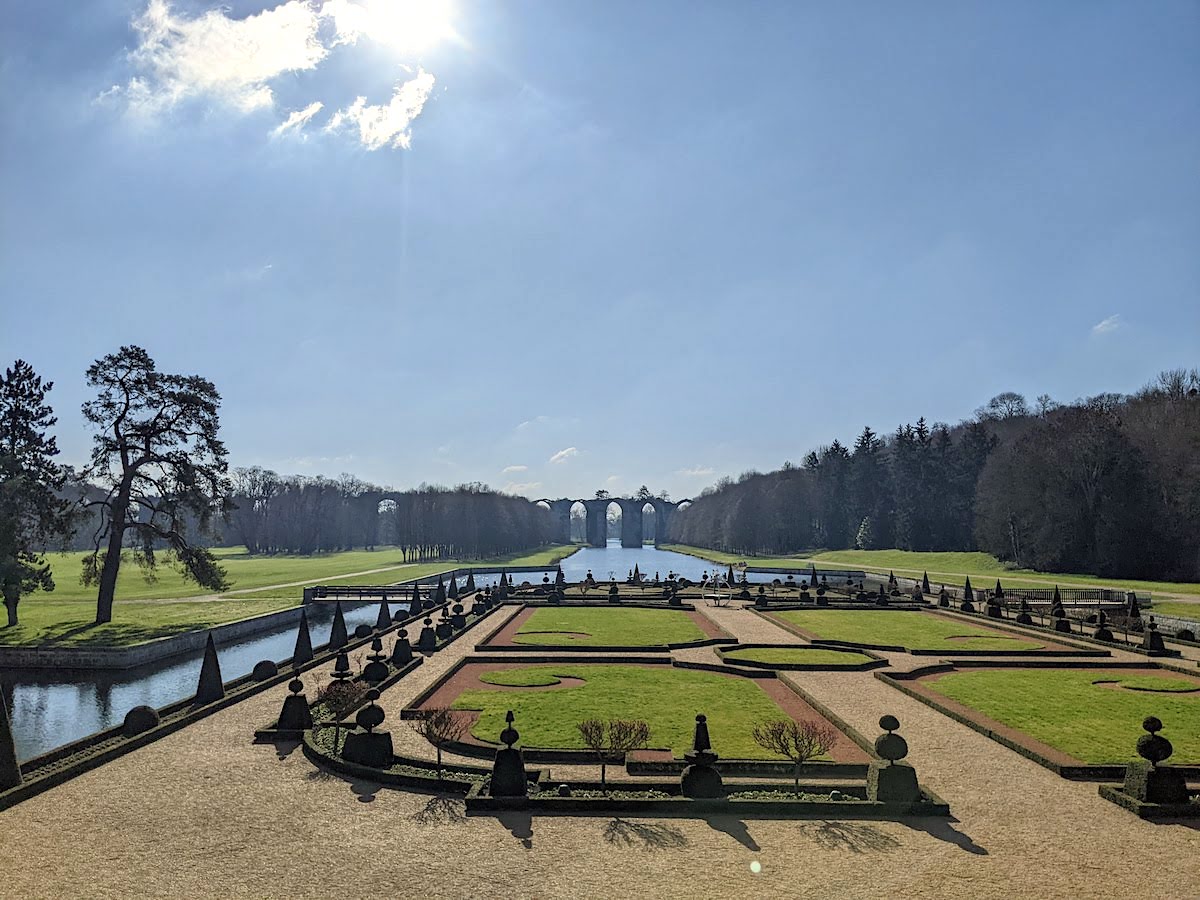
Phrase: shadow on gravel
{"type": "Point", "coordinates": [944, 831]}
{"type": "Point", "coordinates": [441, 811]}
{"type": "Point", "coordinates": [284, 749]}
{"type": "Point", "coordinates": [735, 828]}
{"type": "Point", "coordinates": [365, 791]}
{"type": "Point", "coordinates": [520, 824]}
{"type": "Point", "coordinates": [648, 836]}
{"type": "Point", "coordinates": [857, 837]}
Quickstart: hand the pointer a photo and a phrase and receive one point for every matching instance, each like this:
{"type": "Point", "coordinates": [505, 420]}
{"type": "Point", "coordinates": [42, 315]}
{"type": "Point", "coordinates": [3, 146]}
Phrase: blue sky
{"type": "Point", "coordinates": [560, 246]}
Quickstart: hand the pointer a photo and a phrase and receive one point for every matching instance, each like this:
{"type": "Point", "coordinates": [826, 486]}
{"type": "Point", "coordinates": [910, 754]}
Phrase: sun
{"type": "Point", "coordinates": [411, 26]}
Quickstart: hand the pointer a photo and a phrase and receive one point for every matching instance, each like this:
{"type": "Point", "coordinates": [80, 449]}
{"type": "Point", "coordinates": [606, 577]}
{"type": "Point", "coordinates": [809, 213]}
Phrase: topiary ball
{"type": "Point", "coordinates": [264, 669]}
{"type": "Point", "coordinates": [363, 631]}
{"type": "Point", "coordinates": [1152, 746]}
{"type": "Point", "coordinates": [889, 723]}
{"type": "Point", "coordinates": [139, 719]}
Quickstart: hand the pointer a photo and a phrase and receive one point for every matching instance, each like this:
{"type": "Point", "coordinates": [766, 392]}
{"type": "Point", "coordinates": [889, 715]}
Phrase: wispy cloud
{"type": "Point", "coordinates": [695, 471]}
{"type": "Point", "coordinates": [530, 423]}
{"type": "Point", "coordinates": [522, 487]}
{"type": "Point", "coordinates": [298, 119]}
{"type": "Point", "coordinates": [508, 470]}
{"type": "Point", "coordinates": [387, 125]}
{"type": "Point", "coordinates": [563, 455]}
{"type": "Point", "coordinates": [1104, 326]}
{"type": "Point", "coordinates": [234, 62]}
{"type": "Point", "coordinates": [612, 479]}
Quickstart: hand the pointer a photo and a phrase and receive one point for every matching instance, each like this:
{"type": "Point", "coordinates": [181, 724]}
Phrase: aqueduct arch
{"type": "Point", "coordinates": [632, 524]}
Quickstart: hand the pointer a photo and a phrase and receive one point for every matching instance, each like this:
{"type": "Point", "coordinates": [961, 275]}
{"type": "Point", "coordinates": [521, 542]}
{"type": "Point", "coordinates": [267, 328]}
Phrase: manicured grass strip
{"type": "Point", "coordinates": [668, 699]}
{"type": "Point", "coordinates": [912, 630]}
{"type": "Point", "coordinates": [66, 616]}
{"type": "Point", "coordinates": [1065, 708]}
{"type": "Point", "coordinates": [71, 623]}
{"type": "Point", "coordinates": [812, 657]}
{"type": "Point", "coordinates": [608, 627]}
{"type": "Point", "coordinates": [521, 678]}
{"type": "Point", "coordinates": [947, 568]}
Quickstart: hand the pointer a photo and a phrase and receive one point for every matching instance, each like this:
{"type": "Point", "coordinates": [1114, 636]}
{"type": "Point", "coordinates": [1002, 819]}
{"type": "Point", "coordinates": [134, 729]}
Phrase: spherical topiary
{"type": "Point", "coordinates": [890, 746]}
{"type": "Point", "coordinates": [139, 719]}
{"type": "Point", "coordinates": [1185, 634]}
{"type": "Point", "coordinates": [1152, 746]}
{"type": "Point", "coordinates": [363, 631]}
{"type": "Point", "coordinates": [564, 790]}
{"type": "Point", "coordinates": [264, 669]}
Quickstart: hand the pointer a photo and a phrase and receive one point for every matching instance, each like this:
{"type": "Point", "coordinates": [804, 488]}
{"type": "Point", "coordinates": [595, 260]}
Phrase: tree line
{"type": "Point", "coordinates": [158, 480]}
{"type": "Point", "coordinates": [1108, 485]}
{"type": "Point", "coordinates": [295, 514]}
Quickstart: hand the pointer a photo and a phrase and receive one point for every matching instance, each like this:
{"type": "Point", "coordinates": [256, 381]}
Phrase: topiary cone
{"type": "Point", "coordinates": [10, 769]}
{"type": "Point", "coordinates": [338, 637]}
{"type": "Point", "coordinates": [303, 652]}
{"type": "Point", "coordinates": [210, 687]}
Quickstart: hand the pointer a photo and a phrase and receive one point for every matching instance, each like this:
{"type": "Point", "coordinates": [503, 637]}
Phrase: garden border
{"type": "Point", "coordinates": [875, 663]}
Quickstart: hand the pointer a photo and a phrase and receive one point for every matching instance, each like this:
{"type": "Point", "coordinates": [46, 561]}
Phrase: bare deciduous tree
{"type": "Point", "coordinates": [611, 740]}
{"type": "Point", "coordinates": [798, 741]}
{"type": "Point", "coordinates": [440, 726]}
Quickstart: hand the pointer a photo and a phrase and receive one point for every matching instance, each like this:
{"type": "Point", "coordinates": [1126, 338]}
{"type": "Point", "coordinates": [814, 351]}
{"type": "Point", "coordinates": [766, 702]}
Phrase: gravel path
{"type": "Point", "coordinates": [204, 813]}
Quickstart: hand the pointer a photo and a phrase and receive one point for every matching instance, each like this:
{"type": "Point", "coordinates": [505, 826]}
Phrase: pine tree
{"type": "Point", "coordinates": [156, 450]}
{"type": "Point", "coordinates": [31, 511]}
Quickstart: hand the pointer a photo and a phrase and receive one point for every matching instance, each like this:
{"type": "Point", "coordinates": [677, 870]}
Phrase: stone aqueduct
{"type": "Point", "coordinates": [632, 521]}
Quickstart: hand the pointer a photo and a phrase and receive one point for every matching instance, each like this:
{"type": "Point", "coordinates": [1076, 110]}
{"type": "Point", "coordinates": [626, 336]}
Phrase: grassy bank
{"type": "Point", "coordinates": [144, 612]}
{"type": "Point", "coordinates": [950, 568]}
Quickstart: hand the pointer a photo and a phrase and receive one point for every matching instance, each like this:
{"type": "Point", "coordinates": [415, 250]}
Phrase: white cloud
{"type": "Point", "coordinates": [612, 479]}
{"type": "Point", "coordinates": [235, 61]}
{"type": "Point", "coordinates": [387, 126]}
{"type": "Point", "coordinates": [298, 119]}
{"type": "Point", "coordinates": [695, 471]}
{"type": "Point", "coordinates": [529, 423]}
{"type": "Point", "coordinates": [1104, 326]}
{"type": "Point", "coordinates": [521, 487]}
{"type": "Point", "coordinates": [563, 455]}
{"type": "Point", "coordinates": [214, 55]}
{"type": "Point", "coordinates": [507, 470]}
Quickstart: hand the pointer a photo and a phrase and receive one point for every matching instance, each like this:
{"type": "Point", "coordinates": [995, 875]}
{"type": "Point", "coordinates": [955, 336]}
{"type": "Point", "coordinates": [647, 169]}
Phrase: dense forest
{"type": "Point", "coordinates": [1108, 485]}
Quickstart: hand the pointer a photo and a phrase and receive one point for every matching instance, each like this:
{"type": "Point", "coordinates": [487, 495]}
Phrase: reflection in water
{"type": "Point", "coordinates": [615, 561]}
{"type": "Point", "coordinates": [52, 707]}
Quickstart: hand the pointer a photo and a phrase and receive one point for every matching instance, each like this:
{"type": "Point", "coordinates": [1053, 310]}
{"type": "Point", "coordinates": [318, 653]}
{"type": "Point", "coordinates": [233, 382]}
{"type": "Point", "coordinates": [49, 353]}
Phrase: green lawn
{"type": "Point", "coordinates": [65, 617]}
{"type": "Point", "coordinates": [912, 630]}
{"type": "Point", "coordinates": [948, 568]}
{"type": "Point", "coordinates": [608, 627]}
{"type": "Point", "coordinates": [1180, 608]}
{"type": "Point", "coordinates": [1072, 712]}
{"type": "Point", "coordinates": [71, 622]}
{"type": "Point", "coordinates": [248, 572]}
{"type": "Point", "coordinates": [812, 656]}
{"type": "Point", "coordinates": [667, 698]}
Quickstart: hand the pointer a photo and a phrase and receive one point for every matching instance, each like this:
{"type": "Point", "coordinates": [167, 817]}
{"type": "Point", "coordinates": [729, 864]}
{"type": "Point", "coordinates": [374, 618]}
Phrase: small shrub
{"type": "Point", "coordinates": [341, 696]}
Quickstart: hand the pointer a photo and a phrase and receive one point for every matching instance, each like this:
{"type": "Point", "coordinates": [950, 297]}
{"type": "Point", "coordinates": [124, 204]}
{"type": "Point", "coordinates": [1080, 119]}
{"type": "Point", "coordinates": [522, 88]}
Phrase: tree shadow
{"type": "Point", "coordinates": [648, 836]}
{"type": "Point", "coordinates": [520, 823]}
{"type": "Point", "coordinates": [441, 810]}
{"type": "Point", "coordinates": [857, 837]}
{"type": "Point", "coordinates": [735, 828]}
{"type": "Point", "coordinates": [944, 831]}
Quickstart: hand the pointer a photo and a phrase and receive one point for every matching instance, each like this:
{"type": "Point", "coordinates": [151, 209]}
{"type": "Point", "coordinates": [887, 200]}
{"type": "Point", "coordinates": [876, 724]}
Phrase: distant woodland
{"type": "Point", "coordinates": [1109, 485]}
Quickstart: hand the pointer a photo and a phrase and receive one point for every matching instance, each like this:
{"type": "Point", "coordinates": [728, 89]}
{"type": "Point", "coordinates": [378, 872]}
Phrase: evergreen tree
{"type": "Point", "coordinates": [31, 510]}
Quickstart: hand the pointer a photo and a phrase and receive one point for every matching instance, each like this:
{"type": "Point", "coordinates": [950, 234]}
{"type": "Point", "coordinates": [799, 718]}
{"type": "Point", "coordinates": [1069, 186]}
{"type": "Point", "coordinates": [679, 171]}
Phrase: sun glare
{"type": "Point", "coordinates": [412, 26]}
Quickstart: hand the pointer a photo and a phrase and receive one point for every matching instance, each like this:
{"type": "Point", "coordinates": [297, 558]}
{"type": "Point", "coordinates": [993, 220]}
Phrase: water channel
{"type": "Point", "coordinates": [52, 707]}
